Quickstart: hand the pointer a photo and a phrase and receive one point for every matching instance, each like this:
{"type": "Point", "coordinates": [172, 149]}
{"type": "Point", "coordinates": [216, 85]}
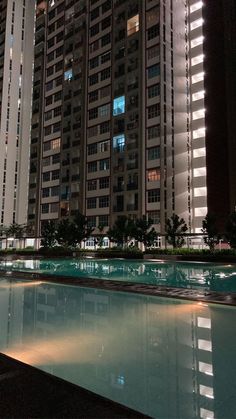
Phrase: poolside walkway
{"type": "Point", "coordinates": [26, 392]}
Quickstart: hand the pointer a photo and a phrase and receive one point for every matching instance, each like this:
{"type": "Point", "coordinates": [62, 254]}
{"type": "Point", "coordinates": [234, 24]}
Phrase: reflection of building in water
{"type": "Point", "coordinates": [161, 356]}
{"type": "Point", "coordinates": [11, 314]}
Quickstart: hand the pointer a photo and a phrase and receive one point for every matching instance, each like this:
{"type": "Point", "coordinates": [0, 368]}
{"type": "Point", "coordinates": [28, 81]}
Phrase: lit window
{"type": "Point", "coordinates": [153, 175]}
{"type": "Point", "coordinates": [201, 171]}
{"type": "Point", "coordinates": [198, 114]}
{"type": "Point", "coordinates": [119, 105]}
{"type": "Point", "coordinates": [196, 24]}
{"type": "Point", "coordinates": [55, 143]}
{"type": "Point", "coordinates": [202, 191]}
{"type": "Point", "coordinates": [198, 133]}
{"type": "Point", "coordinates": [201, 212]}
{"type": "Point", "coordinates": [119, 142]}
{"type": "Point", "coordinates": [197, 41]}
{"type": "Point", "coordinates": [197, 77]}
{"type": "Point", "coordinates": [205, 368]}
{"type": "Point", "coordinates": [198, 95]}
{"type": "Point", "coordinates": [133, 25]}
{"type": "Point", "coordinates": [199, 152]}
{"type": "Point", "coordinates": [197, 60]}
{"type": "Point", "coordinates": [196, 6]}
{"type": "Point", "coordinates": [68, 75]}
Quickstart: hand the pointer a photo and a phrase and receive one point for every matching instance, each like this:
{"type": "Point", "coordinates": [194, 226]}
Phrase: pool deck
{"type": "Point", "coordinates": [27, 392]}
{"type": "Point", "coordinates": [201, 296]}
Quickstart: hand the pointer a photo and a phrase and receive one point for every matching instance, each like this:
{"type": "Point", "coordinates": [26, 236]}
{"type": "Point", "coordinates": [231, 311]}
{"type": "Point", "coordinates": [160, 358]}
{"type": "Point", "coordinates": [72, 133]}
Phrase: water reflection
{"type": "Point", "coordinates": [166, 358]}
{"type": "Point", "coordinates": [184, 275]}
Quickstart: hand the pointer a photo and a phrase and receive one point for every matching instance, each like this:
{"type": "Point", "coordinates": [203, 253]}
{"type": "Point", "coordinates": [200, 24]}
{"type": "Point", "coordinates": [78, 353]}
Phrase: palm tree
{"type": "Point", "coordinates": [175, 229]}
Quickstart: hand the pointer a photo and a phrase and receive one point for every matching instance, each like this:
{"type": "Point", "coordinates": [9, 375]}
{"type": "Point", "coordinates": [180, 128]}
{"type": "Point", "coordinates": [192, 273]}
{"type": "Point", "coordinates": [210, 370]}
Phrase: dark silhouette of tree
{"type": "Point", "coordinates": [122, 230]}
{"type": "Point", "coordinates": [48, 233]}
{"type": "Point", "coordinates": [209, 228]}
{"type": "Point", "coordinates": [175, 229]}
{"type": "Point", "coordinates": [81, 229]}
{"type": "Point", "coordinates": [66, 234]}
{"type": "Point", "coordinates": [143, 232]}
{"type": "Point", "coordinates": [230, 229]}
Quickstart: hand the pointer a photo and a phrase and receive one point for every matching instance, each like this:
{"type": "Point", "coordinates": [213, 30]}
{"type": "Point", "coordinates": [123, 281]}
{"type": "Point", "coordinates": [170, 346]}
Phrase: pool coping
{"type": "Point", "coordinates": [28, 392]}
{"type": "Point", "coordinates": [201, 296]}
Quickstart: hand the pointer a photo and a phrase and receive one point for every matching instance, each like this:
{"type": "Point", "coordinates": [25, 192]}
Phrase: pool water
{"type": "Point", "coordinates": [164, 357]}
{"type": "Point", "coordinates": [206, 276]}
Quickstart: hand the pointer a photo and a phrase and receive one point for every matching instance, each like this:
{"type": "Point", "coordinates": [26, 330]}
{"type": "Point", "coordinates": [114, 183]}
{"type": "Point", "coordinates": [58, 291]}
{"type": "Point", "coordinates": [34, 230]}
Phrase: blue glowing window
{"type": "Point", "coordinates": [68, 75]}
{"type": "Point", "coordinates": [119, 105]}
{"type": "Point", "coordinates": [119, 142]}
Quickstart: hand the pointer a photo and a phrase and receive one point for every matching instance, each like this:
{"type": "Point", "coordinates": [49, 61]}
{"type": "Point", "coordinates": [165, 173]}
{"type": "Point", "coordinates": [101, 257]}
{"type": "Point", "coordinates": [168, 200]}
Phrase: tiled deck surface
{"type": "Point", "coordinates": [26, 392]}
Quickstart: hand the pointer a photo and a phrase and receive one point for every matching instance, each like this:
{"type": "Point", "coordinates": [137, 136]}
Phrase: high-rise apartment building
{"type": "Point", "coordinates": [119, 112]}
{"type": "Point", "coordinates": [16, 59]}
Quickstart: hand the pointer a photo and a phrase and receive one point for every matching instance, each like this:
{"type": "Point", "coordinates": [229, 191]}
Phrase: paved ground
{"type": "Point", "coordinates": [26, 392]}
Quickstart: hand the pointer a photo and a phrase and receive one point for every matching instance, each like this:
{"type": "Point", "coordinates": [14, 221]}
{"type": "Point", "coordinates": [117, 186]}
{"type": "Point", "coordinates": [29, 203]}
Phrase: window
{"type": "Point", "coordinates": [104, 183]}
{"type": "Point", "coordinates": [154, 91]}
{"type": "Point", "coordinates": [153, 153]}
{"type": "Point", "coordinates": [55, 191]}
{"type": "Point", "coordinates": [119, 142]}
{"type": "Point", "coordinates": [103, 201]}
{"type": "Point", "coordinates": [92, 185]}
{"type": "Point", "coordinates": [153, 111]}
{"type": "Point", "coordinates": [46, 176]}
{"type": "Point", "coordinates": [153, 71]}
{"type": "Point", "coordinates": [68, 75]}
{"type": "Point", "coordinates": [104, 146]}
{"type": "Point", "coordinates": [94, 62]}
{"type": "Point", "coordinates": [104, 164]}
{"type": "Point", "coordinates": [104, 110]}
{"type": "Point", "coordinates": [48, 115]}
{"type": "Point", "coordinates": [119, 105]}
{"type": "Point", "coordinates": [45, 192]}
{"type": "Point", "coordinates": [45, 208]}
{"type": "Point", "coordinates": [93, 113]}
{"type": "Point", "coordinates": [46, 161]}
{"type": "Point", "coordinates": [49, 85]}
{"type": "Point", "coordinates": [47, 146]}
{"type": "Point", "coordinates": [92, 149]}
{"type": "Point", "coordinates": [57, 111]}
{"type": "Point", "coordinates": [153, 32]}
{"type": "Point", "coordinates": [103, 220]}
{"type": "Point", "coordinates": [48, 130]}
{"type": "Point", "coordinates": [49, 100]}
{"type": "Point", "coordinates": [54, 207]}
{"type": "Point", "coordinates": [92, 167]}
{"type": "Point", "coordinates": [154, 132]}
{"type": "Point", "coordinates": [93, 96]}
{"type": "Point", "coordinates": [105, 91]}
{"type": "Point", "coordinates": [57, 127]}
{"type": "Point", "coordinates": [94, 13]}
{"type": "Point", "coordinates": [153, 52]}
{"type": "Point", "coordinates": [55, 174]}
{"type": "Point", "coordinates": [91, 221]}
{"type": "Point", "coordinates": [56, 158]}
{"type": "Point", "coordinates": [153, 175]}
{"type": "Point", "coordinates": [57, 96]}
{"type": "Point", "coordinates": [91, 203]}
{"type": "Point", "coordinates": [133, 25]}
{"type": "Point", "coordinates": [92, 131]}
{"type": "Point", "coordinates": [106, 22]}
{"type": "Point", "coordinates": [105, 127]}
{"type": "Point", "coordinates": [55, 144]}
{"type": "Point", "coordinates": [105, 74]}
{"type": "Point", "coordinates": [154, 217]}
{"type": "Point", "coordinates": [93, 79]}
{"type": "Point", "coordinates": [154, 195]}
{"type": "Point", "coordinates": [152, 15]}
{"type": "Point", "coordinates": [106, 39]}
{"type": "Point", "coordinates": [94, 29]}
{"type": "Point", "coordinates": [105, 57]}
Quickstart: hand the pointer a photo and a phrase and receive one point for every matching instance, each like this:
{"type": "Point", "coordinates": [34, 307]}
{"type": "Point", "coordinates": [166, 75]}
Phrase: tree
{"type": "Point", "coordinates": [48, 234]}
{"type": "Point", "coordinates": [66, 233]}
{"type": "Point", "coordinates": [122, 230]}
{"type": "Point", "coordinates": [209, 228]}
{"type": "Point", "coordinates": [143, 232]}
{"type": "Point", "coordinates": [100, 236]}
{"type": "Point", "coordinates": [81, 228]}
{"type": "Point", "coordinates": [175, 229]}
{"type": "Point", "coordinates": [231, 229]}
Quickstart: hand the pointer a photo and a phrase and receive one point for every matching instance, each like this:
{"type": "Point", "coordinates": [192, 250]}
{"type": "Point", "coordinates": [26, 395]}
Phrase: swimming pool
{"type": "Point", "coordinates": [206, 276]}
{"type": "Point", "coordinates": [166, 358]}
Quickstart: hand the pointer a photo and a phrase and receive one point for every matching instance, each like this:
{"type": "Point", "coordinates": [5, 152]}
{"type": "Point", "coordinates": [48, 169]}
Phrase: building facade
{"type": "Point", "coordinates": [119, 126]}
{"type": "Point", "coordinates": [16, 58]}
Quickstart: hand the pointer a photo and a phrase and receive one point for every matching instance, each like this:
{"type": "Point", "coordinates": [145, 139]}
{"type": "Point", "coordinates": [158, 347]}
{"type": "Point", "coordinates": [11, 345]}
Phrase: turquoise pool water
{"type": "Point", "coordinates": [167, 358]}
{"type": "Point", "coordinates": [174, 274]}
